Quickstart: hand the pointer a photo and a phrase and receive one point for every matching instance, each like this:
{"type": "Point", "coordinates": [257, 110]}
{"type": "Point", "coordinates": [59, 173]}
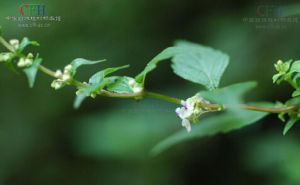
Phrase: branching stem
{"type": "Point", "coordinates": [147, 94]}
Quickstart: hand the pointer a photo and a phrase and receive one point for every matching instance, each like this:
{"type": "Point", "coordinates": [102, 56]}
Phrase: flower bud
{"type": "Point", "coordinates": [131, 82]}
{"type": "Point", "coordinates": [30, 56]}
{"type": "Point", "coordinates": [14, 43]}
{"type": "Point", "coordinates": [68, 69]}
{"type": "Point", "coordinates": [5, 56]}
{"type": "Point", "coordinates": [58, 74]}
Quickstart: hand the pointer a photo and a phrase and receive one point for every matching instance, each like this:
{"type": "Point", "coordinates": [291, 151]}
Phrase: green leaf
{"type": "Point", "coordinates": [296, 79]}
{"type": "Point", "coordinates": [99, 76]}
{"type": "Point", "coordinates": [229, 95]}
{"type": "Point", "coordinates": [295, 67]}
{"type": "Point", "coordinates": [293, 101]}
{"type": "Point", "coordinates": [193, 62]}
{"type": "Point", "coordinates": [200, 64]}
{"type": "Point", "coordinates": [121, 85]}
{"type": "Point", "coordinates": [96, 83]}
{"type": "Point", "coordinates": [80, 61]}
{"type": "Point", "coordinates": [296, 93]}
{"type": "Point", "coordinates": [32, 71]}
{"type": "Point", "coordinates": [85, 92]}
{"type": "Point", "coordinates": [0, 30]}
{"type": "Point", "coordinates": [10, 65]}
{"type": "Point", "coordinates": [281, 116]}
{"type": "Point", "coordinates": [289, 124]}
{"type": "Point", "coordinates": [164, 55]}
{"type": "Point", "coordinates": [276, 77]}
{"type": "Point", "coordinates": [25, 42]}
{"type": "Point", "coordinates": [222, 123]}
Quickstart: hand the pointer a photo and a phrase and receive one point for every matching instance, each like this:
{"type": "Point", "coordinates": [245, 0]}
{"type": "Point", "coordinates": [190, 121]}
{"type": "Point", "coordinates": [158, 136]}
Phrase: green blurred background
{"type": "Point", "coordinates": [44, 141]}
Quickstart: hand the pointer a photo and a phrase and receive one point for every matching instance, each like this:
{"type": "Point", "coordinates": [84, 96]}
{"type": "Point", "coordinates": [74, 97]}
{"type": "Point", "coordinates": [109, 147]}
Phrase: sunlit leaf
{"type": "Point", "coordinates": [200, 64]}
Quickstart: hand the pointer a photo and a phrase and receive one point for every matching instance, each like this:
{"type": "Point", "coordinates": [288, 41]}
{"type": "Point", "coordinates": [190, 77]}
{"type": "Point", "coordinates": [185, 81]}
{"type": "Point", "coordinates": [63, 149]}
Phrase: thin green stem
{"type": "Point", "coordinates": [162, 97]}
{"type": "Point", "coordinates": [47, 71]}
{"type": "Point", "coordinates": [6, 44]}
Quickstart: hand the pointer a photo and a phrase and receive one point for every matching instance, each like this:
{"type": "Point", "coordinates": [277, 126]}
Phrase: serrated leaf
{"type": "Point", "coordinates": [76, 63]}
{"type": "Point", "coordinates": [25, 42]}
{"type": "Point", "coordinates": [296, 93]}
{"type": "Point", "coordinates": [193, 62]}
{"type": "Point", "coordinates": [200, 64]}
{"type": "Point", "coordinates": [289, 124]}
{"type": "Point", "coordinates": [164, 55]}
{"type": "Point", "coordinates": [223, 123]}
{"type": "Point", "coordinates": [32, 71]}
{"type": "Point", "coordinates": [99, 76]}
{"type": "Point", "coordinates": [121, 85]}
{"type": "Point", "coordinates": [87, 91]}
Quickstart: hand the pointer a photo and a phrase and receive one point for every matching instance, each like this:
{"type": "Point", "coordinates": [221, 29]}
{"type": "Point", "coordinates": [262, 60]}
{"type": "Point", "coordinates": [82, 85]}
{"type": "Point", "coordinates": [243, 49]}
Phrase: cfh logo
{"type": "Point", "coordinates": [269, 11]}
{"type": "Point", "coordinates": [32, 10]}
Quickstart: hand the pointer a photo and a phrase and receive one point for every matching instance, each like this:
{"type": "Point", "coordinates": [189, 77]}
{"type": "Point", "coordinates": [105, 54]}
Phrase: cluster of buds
{"type": "Point", "coordinates": [282, 67]}
{"type": "Point", "coordinates": [14, 43]}
{"type": "Point", "coordinates": [136, 87]}
{"type": "Point", "coordinates": [62, 77]}
{"type": "Point", "coordinates": [26, 61]}
{"type": "Point", "coordinates": [192, 108]}
{"type": "Point", "coordinates": [4, 57]}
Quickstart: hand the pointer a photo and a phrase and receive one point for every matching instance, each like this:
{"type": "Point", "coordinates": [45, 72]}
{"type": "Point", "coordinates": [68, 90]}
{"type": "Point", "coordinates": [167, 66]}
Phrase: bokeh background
{"type": "Point", "coordinates": [44, 141]}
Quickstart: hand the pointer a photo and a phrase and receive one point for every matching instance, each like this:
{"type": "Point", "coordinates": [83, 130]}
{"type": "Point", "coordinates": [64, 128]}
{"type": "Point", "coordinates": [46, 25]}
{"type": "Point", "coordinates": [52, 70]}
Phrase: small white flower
{"type": "Point", "coordinates": [5, 56]}
{"type": "Point", "coordinates": [66, 77]}
{"type": "Point", "coordinates": [68, 69]}
{"type": "Point", "coordinates": [186, 123]}
{"type": "Point", "coordinates": [93, 95]}
{"type": "Point", "coordinates": [14, 43]}
{"type": "Point", "coordinates": [131, 82]}
{"type": "Point", "coordinates": [21, 62]}
{"type": "Point", "coordinates": [24, 62]}
{"type": "Point", "coordinates": [30, 56]}
{"type": "Point", "coordinates": [56, 84]}
{"type": "Point", "coordinates": [58, 74]}
{"type": "Point", "coordinates": [279, 62]}
{"type": "Point", "coordinates": [137, 89]}
{"type": "Point", "coordinates": [191, 110]}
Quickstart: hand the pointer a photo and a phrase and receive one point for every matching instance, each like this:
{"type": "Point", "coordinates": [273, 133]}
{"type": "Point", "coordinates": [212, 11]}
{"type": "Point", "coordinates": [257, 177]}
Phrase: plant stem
{"type": "Point", "coordinates": [47, 71]}
{"type": "Point", "coordinates": [6, 44]}
{"type": "Point", "coordinates": [147, 94]}
{"type": "Point", "coordinates": [162, 97]}
{"type": "Point", "coordinates": [260, 108]}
